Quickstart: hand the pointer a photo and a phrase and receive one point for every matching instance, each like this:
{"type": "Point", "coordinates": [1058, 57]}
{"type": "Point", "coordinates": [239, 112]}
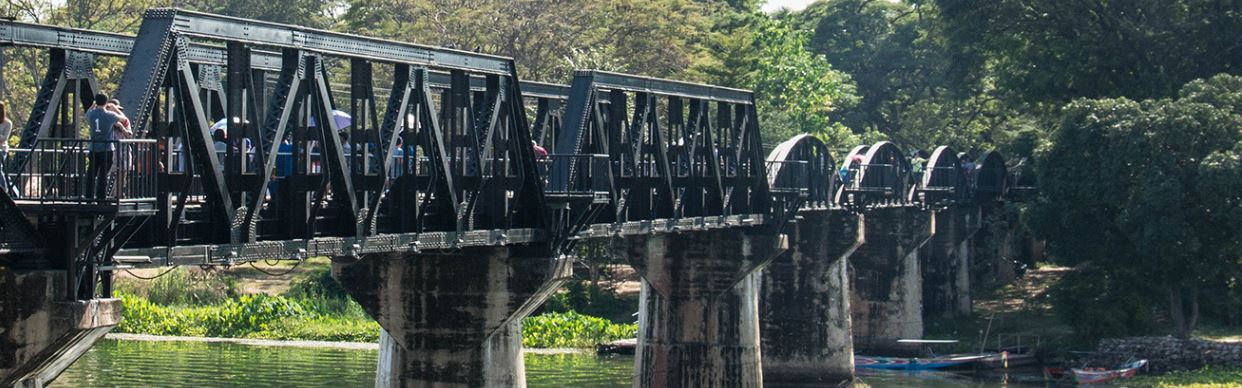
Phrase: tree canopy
{"type": "Point", "coordinates": [1148, 190]}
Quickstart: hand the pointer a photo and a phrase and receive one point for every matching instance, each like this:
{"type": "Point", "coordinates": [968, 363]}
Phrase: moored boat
{"type": "Point", "coordinates": [1089, 376]}
{"type": "Point", "coordinates": [903, 363]}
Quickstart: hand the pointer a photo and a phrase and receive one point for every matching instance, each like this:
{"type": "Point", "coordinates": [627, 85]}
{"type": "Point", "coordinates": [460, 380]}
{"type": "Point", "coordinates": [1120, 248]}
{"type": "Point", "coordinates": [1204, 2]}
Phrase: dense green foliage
{"type": "Point", "coordinates": [594, 300]}
{"type": "Point", "coordinates": [1154, 189]}
{"type": "Point", "coordinates": [235, 317]}
{"type": "Point", "coordinates": [1052, 51]}
{"type": "Point", "coordinates": [572, 330]}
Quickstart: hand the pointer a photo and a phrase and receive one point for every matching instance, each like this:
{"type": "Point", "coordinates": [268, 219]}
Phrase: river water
{"type": "Point", "coordinates": [131, 363]}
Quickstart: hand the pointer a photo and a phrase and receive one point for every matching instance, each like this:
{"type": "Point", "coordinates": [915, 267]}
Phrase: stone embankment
{"type": "Point", "coordinates": [1170, 354]}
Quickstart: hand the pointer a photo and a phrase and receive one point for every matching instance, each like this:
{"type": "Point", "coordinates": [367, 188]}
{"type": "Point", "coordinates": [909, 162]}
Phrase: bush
{"type": "Point", "coordinates": [594, 301]}
{"type": "Point", "coordinates": [317, 291]}
{"type": "Point", "coordinates": [571, 329]}
{"type": "Point", "coordinates": [183, 287]}
{"type": "Point", "coordinates": [235, 317]}
{"type": "Point", "coordinates": [320, 329]}
{"type": "Point", "coordinates": [1098, 303]}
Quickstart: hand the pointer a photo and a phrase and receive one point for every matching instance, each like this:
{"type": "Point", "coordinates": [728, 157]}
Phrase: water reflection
{"type": "Point", "coordinates": [127, 363]}
{"type": "Point", "coordinates": [113, 363]}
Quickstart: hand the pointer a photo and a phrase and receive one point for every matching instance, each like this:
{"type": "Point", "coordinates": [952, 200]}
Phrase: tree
{"type": "Point", "coordinates": [1144, 191]}
{"type": "Point", "coordinates": [797, 91]}
{"type": "Point", "coordinates": [1052, 51]}
{"type": "Point", "coordinates": [650, 37]}
{"type": "Point", "coordinates": [897, 55]}
{"type": "Point", "coordinates": [308, 13]}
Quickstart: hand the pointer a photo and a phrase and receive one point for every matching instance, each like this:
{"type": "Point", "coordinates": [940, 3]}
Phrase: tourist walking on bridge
{"type": "Point", "coordinates": [105, 127]}
{"type": "Point", "coordinates": [6, 131]}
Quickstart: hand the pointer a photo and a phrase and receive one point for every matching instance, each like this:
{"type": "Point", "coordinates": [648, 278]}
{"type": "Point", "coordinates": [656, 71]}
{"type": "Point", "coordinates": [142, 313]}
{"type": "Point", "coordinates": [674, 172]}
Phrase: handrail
{"type": "Point", "coordinates": [80, 171]}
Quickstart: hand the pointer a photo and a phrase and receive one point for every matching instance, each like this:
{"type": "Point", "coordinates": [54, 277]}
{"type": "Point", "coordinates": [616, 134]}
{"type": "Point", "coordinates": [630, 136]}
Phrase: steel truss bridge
{"type": "Point", "coordinates": [445, 160]}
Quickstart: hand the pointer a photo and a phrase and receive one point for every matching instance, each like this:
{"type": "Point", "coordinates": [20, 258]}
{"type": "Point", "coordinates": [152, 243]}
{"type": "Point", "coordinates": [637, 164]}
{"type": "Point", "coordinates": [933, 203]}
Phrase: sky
{"type": "Point", "coordinates": [793, 5]}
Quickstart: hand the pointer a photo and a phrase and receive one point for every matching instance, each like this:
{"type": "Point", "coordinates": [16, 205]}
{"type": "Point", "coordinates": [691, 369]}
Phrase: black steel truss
{"type": "Point", "coordinates": [673, 149]}
{"type": "Point", "coordinates": [463, 162]}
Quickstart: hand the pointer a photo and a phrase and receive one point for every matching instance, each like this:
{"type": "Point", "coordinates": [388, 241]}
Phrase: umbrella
{"type": "Point", "coordinates": [222, 124]}
{"type": "Point", "coordinates": [342, 119]}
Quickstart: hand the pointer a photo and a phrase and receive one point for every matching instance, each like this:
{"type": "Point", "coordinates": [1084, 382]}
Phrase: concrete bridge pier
{"type": "Point", "coordinates": [452, 320]}
{"type": "Point", "coordinates": [997, 245]}
{"type": "Point", "coordinates": [947, 263]}
{"type": "Point", "coordinates": [42, 332]}
{"type": "Point", "coordinates": [804, 306]}
{"type": "Point", "coordinates": [699, 319]}
{"type": "Point", "coordinates": [887, 287]}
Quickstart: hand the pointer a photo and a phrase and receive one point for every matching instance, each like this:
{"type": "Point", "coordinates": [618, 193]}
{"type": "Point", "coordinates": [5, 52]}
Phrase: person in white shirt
{"type": "Point", "coordinates": [6, 131]}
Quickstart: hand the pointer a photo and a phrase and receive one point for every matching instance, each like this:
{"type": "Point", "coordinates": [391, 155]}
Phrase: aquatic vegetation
{"type": "Point", "coordinates": [572, 330]}
{"type": "Point", "coordinates": [235, 317]}
{"type": "Point", "coordinates": [327, 319]}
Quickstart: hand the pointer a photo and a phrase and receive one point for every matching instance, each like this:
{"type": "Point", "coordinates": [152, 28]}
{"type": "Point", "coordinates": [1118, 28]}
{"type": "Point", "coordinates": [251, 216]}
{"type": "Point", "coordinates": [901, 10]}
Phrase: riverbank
{"type": "Point", "coordinates": [1213, 377]}
{"type": "Point", "coordinates": [303, 304]}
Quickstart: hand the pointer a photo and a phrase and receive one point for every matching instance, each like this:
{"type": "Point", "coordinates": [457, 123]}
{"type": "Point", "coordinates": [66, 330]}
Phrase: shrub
{"type": "Point", "coordinates": [594, 301]}
{"type": "Point", "coordinates": [320, 329]}
{"type": "Point", "coordinates": [234, 318]}
{"type": "Point", "coordinates": [187, 287]}
{"type": "Point", "coordinates": [1099, 303]}
{"type": "Point", "coordinates": [318, 292]}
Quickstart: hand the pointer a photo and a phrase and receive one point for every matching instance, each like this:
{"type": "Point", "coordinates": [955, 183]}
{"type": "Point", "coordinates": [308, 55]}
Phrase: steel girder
{"type": "Point", "coordinates": [452, 143]}
{"type": "Point", "coordinates": [668, 157]}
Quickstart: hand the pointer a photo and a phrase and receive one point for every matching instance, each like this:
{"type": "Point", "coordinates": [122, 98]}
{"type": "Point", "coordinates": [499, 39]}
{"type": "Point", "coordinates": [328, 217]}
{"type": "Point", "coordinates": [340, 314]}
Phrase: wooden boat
{"type": "Point", "coordinates": [622, 346]}
{"type": "Point", "coordinates": [902, 363]}
{"type": "Point", "coordinates": [1088, 376]}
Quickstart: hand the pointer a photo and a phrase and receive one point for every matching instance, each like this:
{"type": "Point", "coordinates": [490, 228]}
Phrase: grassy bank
{"type": "Point", "coordinates": [1203, 378]}
{"type": "Point", "coordinates": [186, 302]}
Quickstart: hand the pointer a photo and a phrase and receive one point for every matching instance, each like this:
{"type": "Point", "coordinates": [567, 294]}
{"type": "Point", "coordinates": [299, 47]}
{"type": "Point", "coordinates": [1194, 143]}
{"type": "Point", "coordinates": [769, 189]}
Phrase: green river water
{"type": "Point", "coordinates": [129, 363]}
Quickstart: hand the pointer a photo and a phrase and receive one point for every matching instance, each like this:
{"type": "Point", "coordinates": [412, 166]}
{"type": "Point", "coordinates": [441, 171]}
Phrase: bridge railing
{"type": "Point", "coordinates": [947, 184]}
{"type": "Point", "coordinates": [592, 169]}
{"type": "Point", "coordinates": [86, 171]}
{"type": "Point", "coordinates": [989, 183]}
{"type": "Point", "coordinates": [875, 178]}
{"type": "Point", "coordinates": [945, 179]}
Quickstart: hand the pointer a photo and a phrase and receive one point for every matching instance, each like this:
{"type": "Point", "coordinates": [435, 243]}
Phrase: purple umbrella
{"type": "Point", "coordinates": [342, 119]}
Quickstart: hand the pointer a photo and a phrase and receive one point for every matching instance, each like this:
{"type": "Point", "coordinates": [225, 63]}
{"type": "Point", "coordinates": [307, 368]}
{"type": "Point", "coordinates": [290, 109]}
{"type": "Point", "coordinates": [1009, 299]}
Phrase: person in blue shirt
{"type": "Point", "coordinates": [104, 126]}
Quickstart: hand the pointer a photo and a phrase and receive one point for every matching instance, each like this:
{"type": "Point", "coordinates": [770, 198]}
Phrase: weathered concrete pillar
{"type": "Point", "coordinates": [995, 249]}
{"type": "Point", "coordinates": [946, 263]}
{"type": "Point", "coordinates": [699, 319]}
{"type": "Point", "coordinates": [41, 332]}
{"type": "Point", "coordinates": [451, 320]}
{"type": "Point", "coordinates": [887, 294]}
{"type": "Point", "coordinates": [804, 302]}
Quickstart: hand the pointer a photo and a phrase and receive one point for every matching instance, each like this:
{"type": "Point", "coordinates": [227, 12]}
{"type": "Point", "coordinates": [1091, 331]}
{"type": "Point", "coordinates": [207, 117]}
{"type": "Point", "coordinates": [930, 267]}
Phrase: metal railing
{"type": "Point", "coordinates": [87, 171]}
{"type": "Point", "coordinates": [944, 178]}
{"type": "Point", "coordinates": [880, 178]}
{"type": "Point", "coordinates": [989, 181]}
{"type": "Point", "coordinates": [799, 178]}
{"type": "Point", "coordinates": [589, 177]}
